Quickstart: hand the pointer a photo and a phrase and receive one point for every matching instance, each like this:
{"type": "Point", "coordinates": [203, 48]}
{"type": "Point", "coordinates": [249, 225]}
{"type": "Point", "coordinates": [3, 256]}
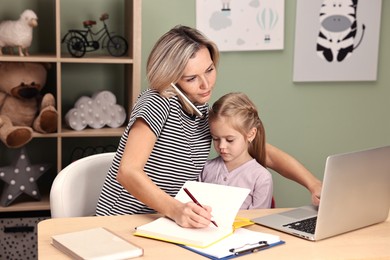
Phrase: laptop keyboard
{"type": "Point", "coordinates": [305, 225]}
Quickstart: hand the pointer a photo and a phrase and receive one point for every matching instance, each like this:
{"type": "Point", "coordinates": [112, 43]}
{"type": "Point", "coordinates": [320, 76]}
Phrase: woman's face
{"type": "Point", "coordinates": [199, 77]}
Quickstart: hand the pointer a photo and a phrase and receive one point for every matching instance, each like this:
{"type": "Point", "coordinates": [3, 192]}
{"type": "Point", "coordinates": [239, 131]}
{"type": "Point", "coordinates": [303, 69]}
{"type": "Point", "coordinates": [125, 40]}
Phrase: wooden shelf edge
{"type": "Point", "coordinates": [32, 58]}
{"type": "Point", "coordinates": [43, 204]}
{"type": "Point", "coordinates": [88, 132]}
{"type": "Point", "coordinates": [96, 59]}
{"type": "Point", "coordinates": [67, 59]}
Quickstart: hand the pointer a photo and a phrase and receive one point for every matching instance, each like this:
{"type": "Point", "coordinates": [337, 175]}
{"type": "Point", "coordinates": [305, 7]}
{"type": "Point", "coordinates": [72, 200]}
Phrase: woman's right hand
{"type": "Point", "coordinates": [190, 215]}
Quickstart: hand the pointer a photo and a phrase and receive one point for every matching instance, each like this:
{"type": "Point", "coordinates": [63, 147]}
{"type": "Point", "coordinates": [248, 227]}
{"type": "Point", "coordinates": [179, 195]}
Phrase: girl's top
{"type": "Point", "coordinates": [179, 154]}
{"type": "Point", "coordinates": [251, 175]}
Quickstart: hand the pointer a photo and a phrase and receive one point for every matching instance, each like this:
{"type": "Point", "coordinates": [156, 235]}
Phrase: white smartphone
{"type": "Point", "coordinates": [181, 94]}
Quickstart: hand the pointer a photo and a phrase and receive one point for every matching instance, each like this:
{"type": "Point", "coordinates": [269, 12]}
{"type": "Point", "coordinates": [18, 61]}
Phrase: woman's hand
{"type": "Point", "coordinates": [190, 215]}
{"type": "Point", "coordinates": [316, 193]}
{"type": "Point", "coordinates": [292, 169]}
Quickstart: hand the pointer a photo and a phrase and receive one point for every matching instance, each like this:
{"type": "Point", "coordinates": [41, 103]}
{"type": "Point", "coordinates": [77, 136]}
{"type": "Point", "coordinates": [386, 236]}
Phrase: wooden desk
{"type": "Point", "coordinates": [369, 243]}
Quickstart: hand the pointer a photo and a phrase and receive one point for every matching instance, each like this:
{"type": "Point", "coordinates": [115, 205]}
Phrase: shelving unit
{"type": "Point", "coordinates": [69, 78]}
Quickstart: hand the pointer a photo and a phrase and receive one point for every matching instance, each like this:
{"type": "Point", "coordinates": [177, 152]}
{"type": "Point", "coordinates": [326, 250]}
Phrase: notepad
{"type": "Point", "coordinates": [242, 241]}
{"type": "Point", "coordinates": [96, 243]}
{"type": "Point", "coordinates": [225, 202]}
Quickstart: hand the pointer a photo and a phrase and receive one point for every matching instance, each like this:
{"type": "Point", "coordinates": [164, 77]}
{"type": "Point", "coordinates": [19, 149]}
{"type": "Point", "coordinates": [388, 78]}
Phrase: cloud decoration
{"type": "Point", "coordinates": [96, 112]}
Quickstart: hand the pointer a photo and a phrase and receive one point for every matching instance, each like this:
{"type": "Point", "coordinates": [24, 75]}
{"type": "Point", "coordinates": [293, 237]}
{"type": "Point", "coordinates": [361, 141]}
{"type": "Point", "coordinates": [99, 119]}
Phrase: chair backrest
{"type": "Point", "coordinates": [76, 189]}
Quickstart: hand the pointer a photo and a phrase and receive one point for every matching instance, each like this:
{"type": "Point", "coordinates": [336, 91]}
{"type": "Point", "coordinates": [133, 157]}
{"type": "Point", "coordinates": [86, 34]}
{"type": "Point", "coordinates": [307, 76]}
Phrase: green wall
{"type": "Point", "coordinates": [307, 120]}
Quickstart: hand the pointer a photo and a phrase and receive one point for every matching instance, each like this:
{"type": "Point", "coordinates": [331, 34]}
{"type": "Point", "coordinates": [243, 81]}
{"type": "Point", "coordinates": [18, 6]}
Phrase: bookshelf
{"type": "Point", "coordinates": [69, 78]}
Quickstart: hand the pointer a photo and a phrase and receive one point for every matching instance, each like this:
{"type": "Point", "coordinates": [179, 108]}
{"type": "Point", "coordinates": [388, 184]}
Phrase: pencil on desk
{"type": "Point", "coordinates": [197, 203]}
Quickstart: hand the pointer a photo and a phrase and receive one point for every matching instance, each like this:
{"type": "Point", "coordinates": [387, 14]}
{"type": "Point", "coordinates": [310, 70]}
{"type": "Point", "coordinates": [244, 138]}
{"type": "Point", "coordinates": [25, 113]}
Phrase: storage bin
{"type": "Point", "coordinates": [18, 232]}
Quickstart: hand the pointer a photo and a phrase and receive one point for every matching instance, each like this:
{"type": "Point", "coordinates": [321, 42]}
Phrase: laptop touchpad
{"type": "Point", "coordinates": [297, 213]}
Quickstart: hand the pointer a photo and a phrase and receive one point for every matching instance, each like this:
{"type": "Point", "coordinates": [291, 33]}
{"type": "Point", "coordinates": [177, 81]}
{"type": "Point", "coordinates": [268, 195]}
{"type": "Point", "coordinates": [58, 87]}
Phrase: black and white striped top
{"type": "Point", "coordinates": [180, 152]}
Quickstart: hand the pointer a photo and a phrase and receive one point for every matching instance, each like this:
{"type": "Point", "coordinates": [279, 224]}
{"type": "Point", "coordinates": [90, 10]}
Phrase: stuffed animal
{"type": "Point", "coordinates": [18, 33]}
{"type": "Point", "coordinates": [22, 107]}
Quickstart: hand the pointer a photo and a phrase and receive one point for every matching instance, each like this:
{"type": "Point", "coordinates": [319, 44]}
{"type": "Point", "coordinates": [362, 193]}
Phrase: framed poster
{"type": "Point", "coordinates": [244, 25]}
{"type": "Point", "coordinates": [337, 40]}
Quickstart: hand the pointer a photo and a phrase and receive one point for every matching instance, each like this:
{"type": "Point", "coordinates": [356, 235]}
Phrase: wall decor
{"type": "Point", "coordinates": [21, 177]}
{"type": "Point", "coordinates": [96, 112]}
{"type": "Point", "coordinates": [245, 25]}
{"type": "Point", "coordinates": [337, 40]}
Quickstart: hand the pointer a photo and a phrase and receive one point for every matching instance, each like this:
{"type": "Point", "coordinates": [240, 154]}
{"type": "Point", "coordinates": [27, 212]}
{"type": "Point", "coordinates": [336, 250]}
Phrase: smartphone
{"type": "Point", "coordinates": [181, 94]}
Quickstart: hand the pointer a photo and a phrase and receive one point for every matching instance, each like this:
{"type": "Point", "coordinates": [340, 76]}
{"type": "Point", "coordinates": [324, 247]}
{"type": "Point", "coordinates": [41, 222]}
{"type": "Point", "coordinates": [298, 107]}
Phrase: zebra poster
{"type": "Point", "coordinates": [337, 40]}
{"type": "Point", "coordinates": [242, 25]}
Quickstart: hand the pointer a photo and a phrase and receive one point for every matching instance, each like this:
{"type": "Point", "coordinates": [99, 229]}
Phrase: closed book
{"type": "Point", "coordinates": [97, 244]}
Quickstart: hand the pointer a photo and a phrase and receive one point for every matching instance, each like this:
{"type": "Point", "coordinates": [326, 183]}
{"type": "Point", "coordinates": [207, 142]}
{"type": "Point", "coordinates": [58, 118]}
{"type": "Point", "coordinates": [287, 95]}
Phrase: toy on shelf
{"type": "Point", "coordinates": [22, 106]}
{"type": "Point", "coordinates": [96, 112]}
{"type": "Point", "coordinates": [21, 177]}
{"type": "Point", "coordinates": [18, 33]}
{"type": "Point", "coordinates": [81, 41]}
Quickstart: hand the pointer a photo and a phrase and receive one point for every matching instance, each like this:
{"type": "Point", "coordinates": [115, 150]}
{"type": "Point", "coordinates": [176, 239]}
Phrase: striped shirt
{"type": "Point", "coordinates": [179, 154]}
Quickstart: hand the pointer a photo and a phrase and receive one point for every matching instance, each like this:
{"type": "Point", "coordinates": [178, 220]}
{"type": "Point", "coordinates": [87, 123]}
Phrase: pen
{"type": "Point", "coordinates": [262, 245]}
{"type": "Point", "coordinates": [197, 203]}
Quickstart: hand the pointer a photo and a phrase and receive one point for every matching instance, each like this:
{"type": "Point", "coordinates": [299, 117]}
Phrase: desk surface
{"type": "Point", "coordinates": [372, 242]}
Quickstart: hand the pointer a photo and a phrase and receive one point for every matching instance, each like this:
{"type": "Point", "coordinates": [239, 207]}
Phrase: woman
{"type": "Point", "coordinates": [166, 144]}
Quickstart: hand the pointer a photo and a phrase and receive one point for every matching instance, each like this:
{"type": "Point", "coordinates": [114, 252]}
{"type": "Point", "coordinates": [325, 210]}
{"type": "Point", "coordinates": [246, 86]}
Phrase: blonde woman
{"type": "Point", "coordinates": [166, 143]}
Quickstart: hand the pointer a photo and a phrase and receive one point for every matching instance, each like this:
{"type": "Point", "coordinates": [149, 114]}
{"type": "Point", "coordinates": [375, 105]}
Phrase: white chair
{"type": "Point", "coordinates": [76, 189]}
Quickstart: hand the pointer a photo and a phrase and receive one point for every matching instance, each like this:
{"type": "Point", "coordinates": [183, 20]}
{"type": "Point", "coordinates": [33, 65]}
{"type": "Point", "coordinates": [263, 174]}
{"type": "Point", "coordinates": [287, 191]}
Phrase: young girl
{"type": "Point", "coordinates": [239, 139]}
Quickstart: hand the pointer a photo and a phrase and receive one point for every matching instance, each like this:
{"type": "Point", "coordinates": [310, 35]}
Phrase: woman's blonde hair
{"type": "Point", "coordinates": [170, 55]}
{"type": "Point", "coordinates": [242, 115]}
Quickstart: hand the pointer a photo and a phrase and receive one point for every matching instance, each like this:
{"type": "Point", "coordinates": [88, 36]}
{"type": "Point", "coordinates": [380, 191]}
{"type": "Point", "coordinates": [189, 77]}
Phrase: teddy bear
{"type": "Point", "coordinates": [23, 108]}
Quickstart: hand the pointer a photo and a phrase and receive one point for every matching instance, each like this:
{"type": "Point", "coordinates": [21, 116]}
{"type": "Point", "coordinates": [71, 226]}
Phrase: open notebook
{"type": "Point", "coordinates": [225, 202]}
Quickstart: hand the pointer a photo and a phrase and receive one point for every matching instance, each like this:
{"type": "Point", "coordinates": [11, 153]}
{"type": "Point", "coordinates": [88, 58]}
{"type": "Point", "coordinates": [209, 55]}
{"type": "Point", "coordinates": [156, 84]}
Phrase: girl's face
{"type": "Point", "coordinates": [199, 77]}
{"type": "Point", "coordinates": [230, 144]}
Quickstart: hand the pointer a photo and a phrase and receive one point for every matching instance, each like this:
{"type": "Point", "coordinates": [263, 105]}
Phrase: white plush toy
{"type": "Point", "coordinates": [18, 33]}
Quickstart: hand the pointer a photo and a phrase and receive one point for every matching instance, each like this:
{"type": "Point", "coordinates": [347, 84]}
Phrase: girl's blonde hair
{"type": "Point", "coordinates": [242, 115]}
{"type": "Point", "coordinates": [170, 55]}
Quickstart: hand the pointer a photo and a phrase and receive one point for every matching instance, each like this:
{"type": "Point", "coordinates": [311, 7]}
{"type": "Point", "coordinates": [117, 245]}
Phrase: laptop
{"type": "Point", "coordinates": [355, 194]}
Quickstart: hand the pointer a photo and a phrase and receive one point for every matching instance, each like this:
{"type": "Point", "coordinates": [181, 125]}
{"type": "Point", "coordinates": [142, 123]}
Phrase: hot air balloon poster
{"type": "Point", "coordinates": [337, 40]}
{"type": "Point", "coordinates": [242, 25]}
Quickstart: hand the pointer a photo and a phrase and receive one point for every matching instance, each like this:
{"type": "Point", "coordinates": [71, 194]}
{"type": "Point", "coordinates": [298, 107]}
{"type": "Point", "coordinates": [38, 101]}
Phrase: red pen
{"type": "Point", "coordinates": [197, 203]}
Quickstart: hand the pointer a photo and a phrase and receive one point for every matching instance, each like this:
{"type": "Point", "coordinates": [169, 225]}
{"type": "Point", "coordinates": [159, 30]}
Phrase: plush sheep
{"type": "Point", "coordinates": [18, 33]}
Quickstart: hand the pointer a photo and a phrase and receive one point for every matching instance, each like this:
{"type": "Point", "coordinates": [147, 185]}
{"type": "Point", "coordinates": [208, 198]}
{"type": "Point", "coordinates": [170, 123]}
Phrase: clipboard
{"type": "Point", "coordinates": [241, 242]}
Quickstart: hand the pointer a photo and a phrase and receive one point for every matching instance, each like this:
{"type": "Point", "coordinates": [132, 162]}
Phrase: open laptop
{"type": "Point", "coordinates": [355, 194]}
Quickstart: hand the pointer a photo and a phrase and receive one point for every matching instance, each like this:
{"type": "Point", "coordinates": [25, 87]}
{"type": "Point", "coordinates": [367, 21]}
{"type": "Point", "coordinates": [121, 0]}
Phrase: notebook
{"type": "Point", "coordinates": [95, 243]}
{"type": "Point", "coordinates": [355, 194]}
{"type": "Point", "coordinates": [225, 202]}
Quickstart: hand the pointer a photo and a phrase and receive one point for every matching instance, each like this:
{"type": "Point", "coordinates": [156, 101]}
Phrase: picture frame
{"type": "Point", "coordinates": [245, 25]}
{"type": "Point", "coordinates": [336, 51]}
